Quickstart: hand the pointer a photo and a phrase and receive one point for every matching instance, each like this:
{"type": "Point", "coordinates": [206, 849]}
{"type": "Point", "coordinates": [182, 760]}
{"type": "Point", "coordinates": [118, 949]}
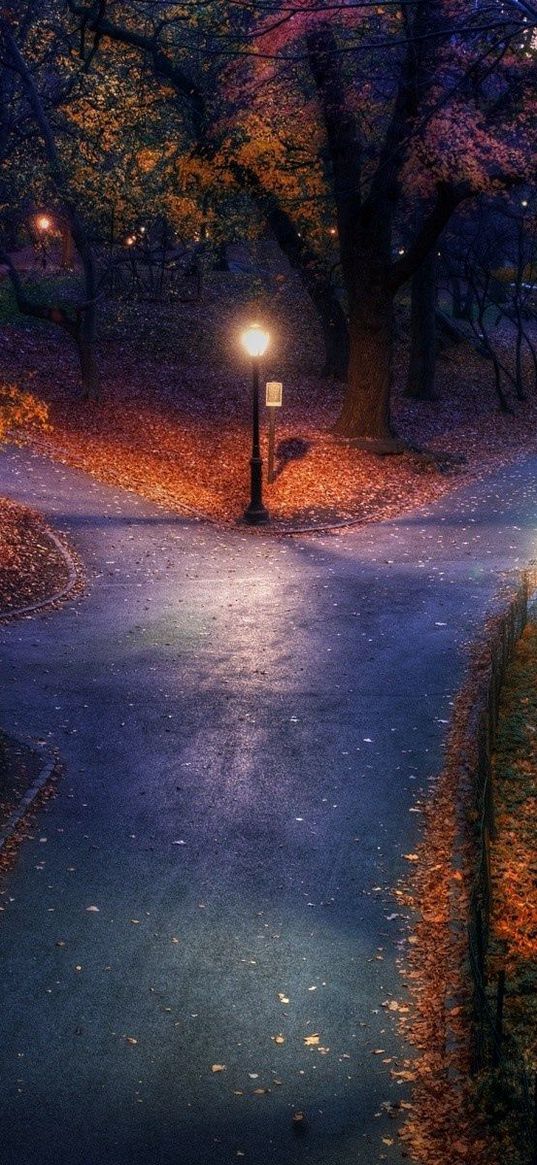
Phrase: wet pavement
{"type": "Point", "coordinates": [246, 722]}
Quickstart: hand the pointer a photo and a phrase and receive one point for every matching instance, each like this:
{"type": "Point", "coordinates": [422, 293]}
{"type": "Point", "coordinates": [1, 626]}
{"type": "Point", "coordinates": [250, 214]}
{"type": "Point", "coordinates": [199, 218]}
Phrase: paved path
{"type": "Point", "coordinates": [245, 723]}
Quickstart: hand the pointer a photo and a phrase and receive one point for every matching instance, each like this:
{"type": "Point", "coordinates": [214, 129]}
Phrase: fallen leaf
{"type": "Point", "coordinates": [312, 1041]}
{"type": "Point", "coordinates": [218, 1067]}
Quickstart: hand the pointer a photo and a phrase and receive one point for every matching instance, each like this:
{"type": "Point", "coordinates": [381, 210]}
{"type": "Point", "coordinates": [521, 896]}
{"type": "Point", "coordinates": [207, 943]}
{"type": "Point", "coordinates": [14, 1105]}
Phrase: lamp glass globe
{"type": "Point", "coordinates": [255, 340]}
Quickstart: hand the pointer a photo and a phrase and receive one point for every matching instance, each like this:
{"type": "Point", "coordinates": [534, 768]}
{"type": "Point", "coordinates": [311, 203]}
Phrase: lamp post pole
{"type": "Point", "coordinates": [255, 512]}
{"type": "Point", "coordinates": [255, 340]}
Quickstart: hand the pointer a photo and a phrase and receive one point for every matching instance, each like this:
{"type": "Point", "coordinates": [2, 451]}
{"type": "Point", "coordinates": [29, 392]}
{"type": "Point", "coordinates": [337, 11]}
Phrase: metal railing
{"type": "Point", "coordinates": [495, 1051]}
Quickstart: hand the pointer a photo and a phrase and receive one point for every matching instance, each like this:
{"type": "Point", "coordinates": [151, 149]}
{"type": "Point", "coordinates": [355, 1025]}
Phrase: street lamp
{"type": "Point", "coordinates": [43, 225]}
{"type": "Point", "coordinates": [255, 340]}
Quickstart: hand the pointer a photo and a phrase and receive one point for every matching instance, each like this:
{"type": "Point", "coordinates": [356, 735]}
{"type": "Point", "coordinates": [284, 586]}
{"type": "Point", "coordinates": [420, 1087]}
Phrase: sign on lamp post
{"type": "Point", "coordinates": [273, 400]}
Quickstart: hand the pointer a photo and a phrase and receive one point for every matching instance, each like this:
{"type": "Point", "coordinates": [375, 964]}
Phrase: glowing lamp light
{"type": "Point", "coordinates": [255, 340]}
{"type": "Point", "coordinates": [43, 223]}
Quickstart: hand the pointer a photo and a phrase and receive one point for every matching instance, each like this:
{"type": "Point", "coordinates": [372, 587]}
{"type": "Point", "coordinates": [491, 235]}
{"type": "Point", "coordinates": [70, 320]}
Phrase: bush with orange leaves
{"type": "Point", "coordinates": [20, 411]}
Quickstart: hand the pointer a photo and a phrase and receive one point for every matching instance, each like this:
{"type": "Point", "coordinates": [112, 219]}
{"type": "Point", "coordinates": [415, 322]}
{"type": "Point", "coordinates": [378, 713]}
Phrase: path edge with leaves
{"type": "Point", "coordinates": [41, 788]}
{"type": "Point", "coordinates": [74, 581]}
{"type": "Point", "coordinates": [441, 1024]}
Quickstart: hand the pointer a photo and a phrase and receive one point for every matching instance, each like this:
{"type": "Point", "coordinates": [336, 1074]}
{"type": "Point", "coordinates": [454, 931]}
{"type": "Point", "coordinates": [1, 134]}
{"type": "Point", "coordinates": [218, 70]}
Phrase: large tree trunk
{"type": "Point", "coordinates": [365, 414]}
{"type": "Point", "coordinates": [365, 262]}
{"type": "Point", "coordinates": [422, 363]}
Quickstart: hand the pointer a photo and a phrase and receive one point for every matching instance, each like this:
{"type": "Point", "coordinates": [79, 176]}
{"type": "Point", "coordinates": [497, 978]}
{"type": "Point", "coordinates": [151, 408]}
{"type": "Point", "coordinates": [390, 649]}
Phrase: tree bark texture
{"type": "Point", "coordinates": [365, 413]}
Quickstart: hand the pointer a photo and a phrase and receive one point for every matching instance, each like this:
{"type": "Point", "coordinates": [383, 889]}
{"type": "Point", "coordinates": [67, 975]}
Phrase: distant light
{"type": "Point", "coordinates": [401, 251]}
{"type": "Point", "coordinates": [255, 340]}
{"type": "Point", "coordinates": [524, 202]}
{"type": "Point", "coordinates": [332, 231]}
{"type": "Point", "coordinates": [43, 223]}
{"type": "Point", "coordinates": [130, 240]}
{"type": "Point", "coordinates": [142, 230]}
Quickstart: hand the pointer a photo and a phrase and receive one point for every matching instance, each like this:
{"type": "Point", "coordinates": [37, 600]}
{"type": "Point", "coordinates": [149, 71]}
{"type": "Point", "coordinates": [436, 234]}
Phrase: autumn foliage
{"type": "Point", "coordinates": [20, 411]}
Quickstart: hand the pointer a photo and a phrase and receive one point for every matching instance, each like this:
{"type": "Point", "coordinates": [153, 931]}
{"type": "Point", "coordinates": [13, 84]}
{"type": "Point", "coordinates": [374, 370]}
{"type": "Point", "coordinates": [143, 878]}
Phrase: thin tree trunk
{"type": "Point", "coordinates": [519, 370]}
{"type": "Point", "coordinates": [88, 363]}
{"type": "Point", "coordinates": [533, 354]}
{"type": "Point", "coordinates": [519, 374]}
{"type": "Point", "coordinates": [333, 323]}
{"type": "Point", "coordinates": [468, 305]}
{"type": "Point", "coordinates": [422, 363]}
{"type": "Point", "coordinates": [313, 275]}
{"type": "Point", "coordinates": [456, 298]}
{"type": "Point", "coordinates": [66, 262]}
